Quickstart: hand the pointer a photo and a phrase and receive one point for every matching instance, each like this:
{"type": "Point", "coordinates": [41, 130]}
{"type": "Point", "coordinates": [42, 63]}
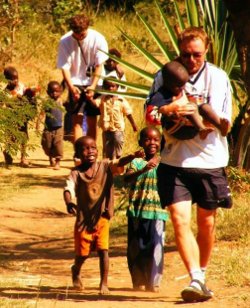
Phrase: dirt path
{"type": "Point", "coordinates": [37, 251]}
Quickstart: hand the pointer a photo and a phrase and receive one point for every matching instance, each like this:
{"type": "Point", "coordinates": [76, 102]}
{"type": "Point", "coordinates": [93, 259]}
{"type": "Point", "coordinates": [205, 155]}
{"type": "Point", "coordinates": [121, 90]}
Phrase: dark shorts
{"type": "Point", "coordinates": [52, 142]}
{"type": "Point", "coordinates": [89, 109]}
{"type": "Point", "coordinates": [207, 187]}
{"type": "Point", "coordinates": [112, 144]}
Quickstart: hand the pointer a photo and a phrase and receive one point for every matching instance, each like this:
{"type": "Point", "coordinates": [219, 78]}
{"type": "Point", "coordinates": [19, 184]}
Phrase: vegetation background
{"type": "Point", "coordinates": [29, 36]}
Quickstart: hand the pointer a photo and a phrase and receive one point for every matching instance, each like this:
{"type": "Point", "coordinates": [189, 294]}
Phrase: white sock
{"type": "Point", "coordinates": [196, 274]}
{"type": "Point", "coordinates": [203, 270]}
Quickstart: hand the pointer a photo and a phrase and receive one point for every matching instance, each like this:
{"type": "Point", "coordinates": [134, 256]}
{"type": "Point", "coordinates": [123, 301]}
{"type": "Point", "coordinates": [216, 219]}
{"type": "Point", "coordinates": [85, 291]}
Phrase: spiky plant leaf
{"type": "Point", "coordinates": [172, 34]}
{"type": "Point", "coordinates": [192, 13]}
{"type": "Point", "coordinates": [135, 86]}
{"type": "Point", "coordinates": [180, 20]}
{"type": "Point", "coordinates": [143, 51]}
{"type": "Point", "coordinates": [132, 67]}
{"type": "Point", "coordinates": [168, 55]}
{"type": "Point", "coordinates": [140, 96]}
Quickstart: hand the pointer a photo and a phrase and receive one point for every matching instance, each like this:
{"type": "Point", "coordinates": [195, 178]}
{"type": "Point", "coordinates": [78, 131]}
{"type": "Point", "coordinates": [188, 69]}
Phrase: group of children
{"type": "Point", "coordinates": [91, 182]}
{"type": "Point", "coordinates": [113, 111]}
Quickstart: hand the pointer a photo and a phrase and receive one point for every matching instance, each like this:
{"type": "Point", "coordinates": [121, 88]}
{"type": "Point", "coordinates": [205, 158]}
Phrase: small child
{"type": "Point", "coordinates": [113, 110]}
{"type": "Point", "coordinates": [15, 88]}
{"type": "Point", "coordinates": [52, 137]}
{"type": "Point", "coordinates": [113, 68]}
{"type": "Point", "coordinates": [92, 185]}
{"type": "Point", "coordinates": [174, 77]}
{"type": "Point", "coordinates": [146, 218]}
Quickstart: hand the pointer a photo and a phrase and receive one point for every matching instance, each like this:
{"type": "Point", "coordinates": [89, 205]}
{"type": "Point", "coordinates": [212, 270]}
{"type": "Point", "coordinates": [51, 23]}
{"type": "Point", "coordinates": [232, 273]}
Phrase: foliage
{"type": "Point", "coordinates": [15, 114]}
{"type": "Point", "coordinates": [238, 179]}
{"type": "Point", "coordinates": [213, 18]}
{"type": "Point", "coordinates": [63, 9]}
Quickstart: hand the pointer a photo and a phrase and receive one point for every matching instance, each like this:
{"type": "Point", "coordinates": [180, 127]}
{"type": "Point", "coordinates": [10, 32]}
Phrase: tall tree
{"type": "Point", "coordinates": [239, 12]}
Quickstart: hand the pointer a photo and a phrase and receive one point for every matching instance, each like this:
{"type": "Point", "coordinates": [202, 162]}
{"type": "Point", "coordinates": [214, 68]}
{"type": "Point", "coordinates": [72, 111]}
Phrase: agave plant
{"type": "Point", "coordinates": [210, 14]}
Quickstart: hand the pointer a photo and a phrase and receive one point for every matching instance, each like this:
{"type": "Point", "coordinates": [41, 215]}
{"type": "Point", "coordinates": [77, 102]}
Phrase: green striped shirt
{"type": "Point", "coordinates": [144, 200]}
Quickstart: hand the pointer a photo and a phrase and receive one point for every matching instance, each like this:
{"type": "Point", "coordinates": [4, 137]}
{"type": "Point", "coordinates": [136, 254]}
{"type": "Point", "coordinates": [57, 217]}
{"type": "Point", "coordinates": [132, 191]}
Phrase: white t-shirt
{"type": "Point", "coordinates": [70, 56]}
{"type": "Point", "coordinates": [209, 85]}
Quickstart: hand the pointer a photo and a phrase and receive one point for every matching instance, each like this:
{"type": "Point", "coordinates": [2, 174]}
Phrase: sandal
{"type": "Point", "coordinates": [193, 294]}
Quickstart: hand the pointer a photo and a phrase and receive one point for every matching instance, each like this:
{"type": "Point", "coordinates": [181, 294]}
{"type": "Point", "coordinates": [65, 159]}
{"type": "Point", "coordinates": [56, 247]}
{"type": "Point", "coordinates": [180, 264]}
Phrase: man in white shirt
{"type": "Point", "coordinates": [192, 171]}
{"type": "Point", "coordinates": [81, 60]}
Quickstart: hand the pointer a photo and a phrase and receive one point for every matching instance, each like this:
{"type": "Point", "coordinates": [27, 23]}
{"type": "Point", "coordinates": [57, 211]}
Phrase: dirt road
{"type": "Point", "coordinates": [37, 251]}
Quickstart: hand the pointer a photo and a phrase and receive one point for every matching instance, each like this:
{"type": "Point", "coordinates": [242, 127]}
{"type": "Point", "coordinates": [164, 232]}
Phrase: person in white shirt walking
{"type": "Point", "coordinates": [193, 171]}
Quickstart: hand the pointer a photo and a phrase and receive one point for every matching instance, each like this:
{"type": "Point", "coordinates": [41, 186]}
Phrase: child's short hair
{"type": "Point", "coordinates": [9, 72]}
{"type": "Point", "coordinates": [174, 73]}
{"type": "Point", "coordinates": [79, 144]}
{"type": "Point", "coordinates": [106, 82]}
{"type": "Point", "coordinates": [144, 131]}
{"type": "Point", "coordinates": [53, 83]}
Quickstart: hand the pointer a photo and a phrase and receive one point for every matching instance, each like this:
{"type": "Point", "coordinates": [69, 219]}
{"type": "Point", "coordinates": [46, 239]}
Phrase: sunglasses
{"type": "Point", "coordinates": [188, 55]}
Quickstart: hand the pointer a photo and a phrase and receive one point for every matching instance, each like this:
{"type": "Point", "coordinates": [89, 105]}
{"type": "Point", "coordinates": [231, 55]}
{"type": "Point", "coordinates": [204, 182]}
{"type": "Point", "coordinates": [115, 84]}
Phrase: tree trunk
{"type": "Point", "coordinates": [239, 12]}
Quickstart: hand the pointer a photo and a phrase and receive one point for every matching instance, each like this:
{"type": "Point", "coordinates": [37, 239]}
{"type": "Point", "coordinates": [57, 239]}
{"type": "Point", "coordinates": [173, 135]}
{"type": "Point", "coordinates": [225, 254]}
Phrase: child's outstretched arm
{"type": "Point", "coordinates": [132, 175]}
{"type": "Point", "coordinates": [132, 122]}
{"type": "Point", "coordinates": [117, 165]}
{"type": "Point", "coordinates": [127, 159]}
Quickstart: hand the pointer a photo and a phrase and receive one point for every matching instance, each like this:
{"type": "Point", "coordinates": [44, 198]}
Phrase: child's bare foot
{"type": "Point", "coordinates": [154, 289]}
{"type": "Point", "coordinates": [51, 161]}
{"type": "Point", "coordinates": [204, 132]}
{"type": "Point", "coordinates": [138, 287]}
{"type": "Point", "coordinates": [224, 127]}
{"type": "Point", "coordinates": [24, 164]}
{"type": "Point", "coordinates": [104, 290]}
{"type": "Point", "coordinates": [57, 166]}
{"type": "Point", "coordinates": [76, 280]}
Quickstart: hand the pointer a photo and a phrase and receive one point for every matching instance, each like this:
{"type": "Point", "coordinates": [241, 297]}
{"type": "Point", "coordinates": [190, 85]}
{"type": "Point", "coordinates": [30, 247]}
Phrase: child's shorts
{"type": "Point", "coordinates": [85, 241]}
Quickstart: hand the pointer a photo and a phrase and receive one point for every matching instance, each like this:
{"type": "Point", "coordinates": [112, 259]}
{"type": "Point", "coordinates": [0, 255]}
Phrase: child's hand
{"type": "Point", "coordinates": [71, 208]}
{"type": "Point", "coordinates": [89, 92]}
{"type": "Point", "coordinates": [139, 153]}
{"type": "Point", "coordinates": [152, 163]}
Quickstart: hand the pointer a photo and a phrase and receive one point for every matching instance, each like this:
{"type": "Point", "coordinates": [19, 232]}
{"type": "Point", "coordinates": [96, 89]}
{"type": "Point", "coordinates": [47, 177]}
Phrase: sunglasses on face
{"type": "Point", "coordinates": [188, 55]}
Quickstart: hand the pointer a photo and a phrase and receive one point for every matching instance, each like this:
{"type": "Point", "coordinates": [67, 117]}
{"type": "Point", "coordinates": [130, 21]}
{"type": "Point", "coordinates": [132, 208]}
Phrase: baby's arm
{"type": "Point", "coordinates": [179, 107]}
